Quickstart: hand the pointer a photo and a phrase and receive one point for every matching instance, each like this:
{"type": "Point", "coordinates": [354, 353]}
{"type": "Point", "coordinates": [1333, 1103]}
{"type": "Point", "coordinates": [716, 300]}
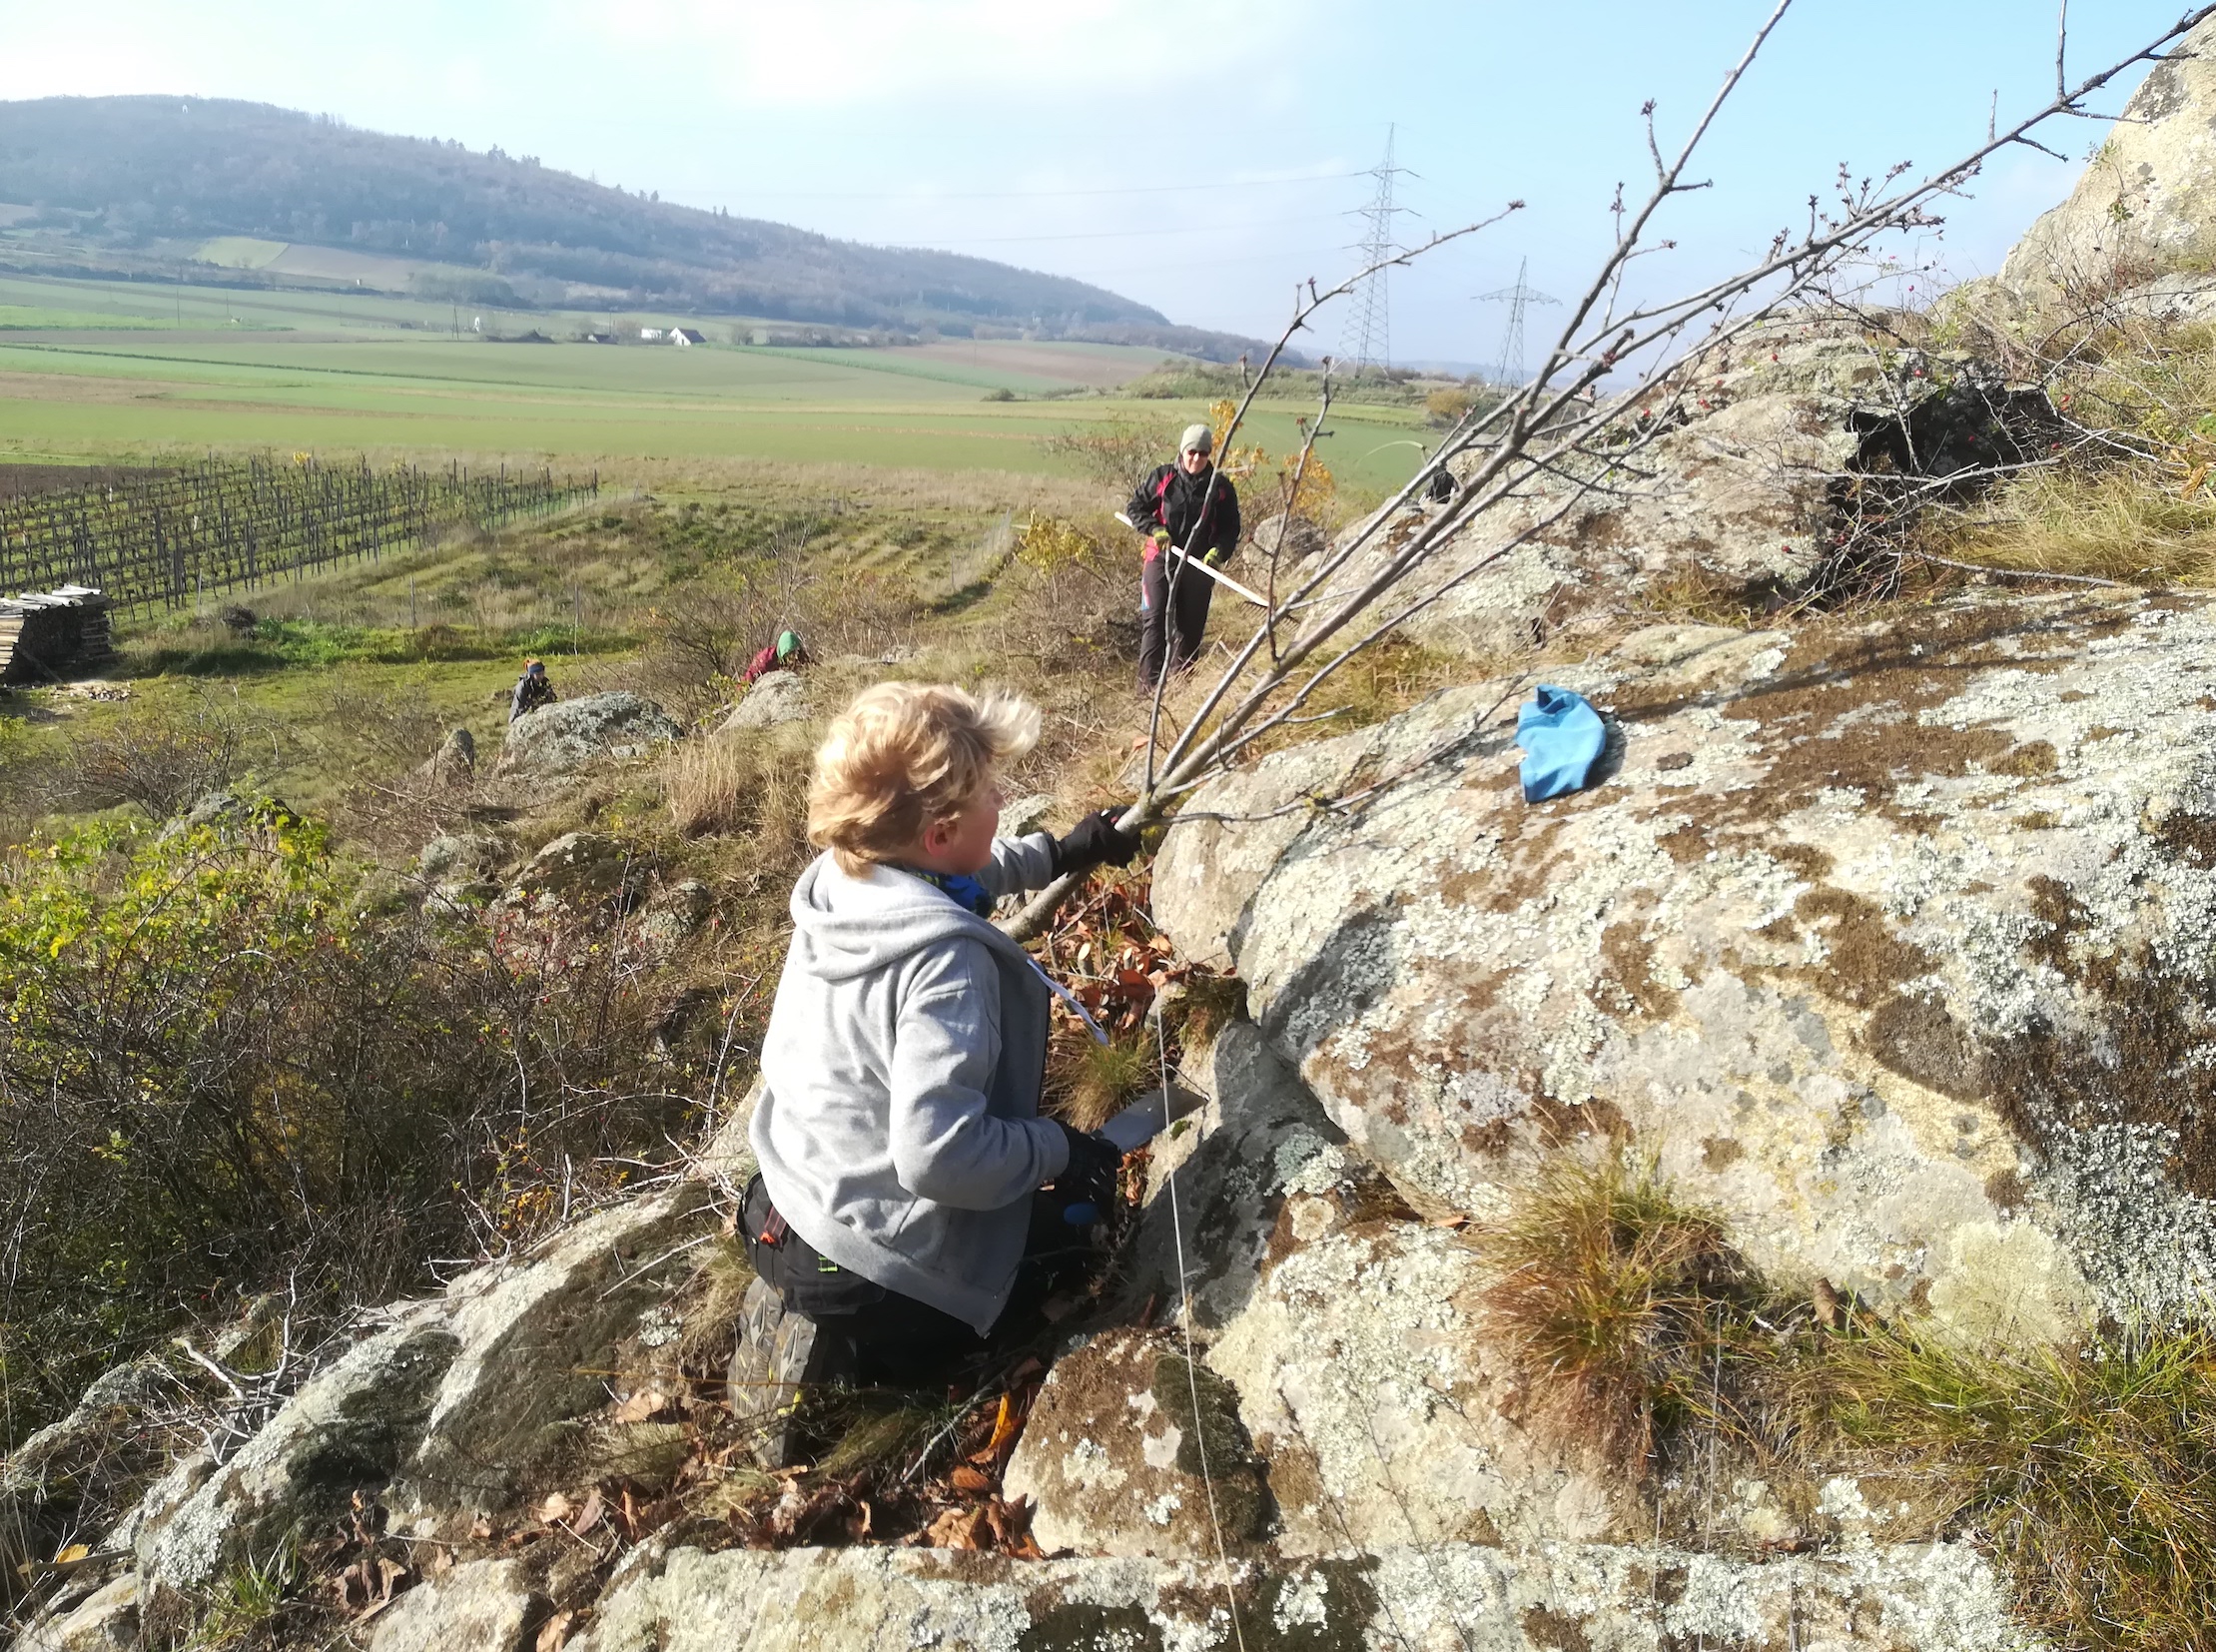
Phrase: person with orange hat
{"type": "Point", "coordinates": [532, 690]}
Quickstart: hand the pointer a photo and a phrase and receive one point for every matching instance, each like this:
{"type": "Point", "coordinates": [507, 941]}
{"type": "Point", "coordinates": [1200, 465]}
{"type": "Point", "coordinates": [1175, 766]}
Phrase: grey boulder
{"type": "Point", "coordinates": [1883, 943]}
{"type": "Point", "coordinates": [777, 698]}
{"type": "Point", "coordinates": [561, 740]}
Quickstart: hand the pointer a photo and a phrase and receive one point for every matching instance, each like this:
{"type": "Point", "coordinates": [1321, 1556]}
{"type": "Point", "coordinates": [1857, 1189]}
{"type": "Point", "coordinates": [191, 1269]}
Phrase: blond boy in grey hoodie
{"type": "Point", "coordinates": [898, 1130]}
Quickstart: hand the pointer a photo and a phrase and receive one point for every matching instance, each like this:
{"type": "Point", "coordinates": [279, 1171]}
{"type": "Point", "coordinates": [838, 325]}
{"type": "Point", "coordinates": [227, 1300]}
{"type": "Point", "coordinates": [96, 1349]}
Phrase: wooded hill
{"type": "Point", "coordinates": [131, 173]}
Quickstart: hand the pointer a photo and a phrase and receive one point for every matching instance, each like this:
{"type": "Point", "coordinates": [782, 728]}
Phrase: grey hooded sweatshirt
{"type": "Point", "coordinates": [898, 1127]}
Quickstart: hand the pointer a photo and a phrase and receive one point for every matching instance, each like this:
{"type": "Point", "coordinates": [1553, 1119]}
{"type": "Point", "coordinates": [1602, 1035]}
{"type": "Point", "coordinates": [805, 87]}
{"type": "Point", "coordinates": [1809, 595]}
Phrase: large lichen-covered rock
{"type": "Point", "coordinates": [1118, 1458]}
{"type": "Point", "coordinates": [1385, 1414]}
{"type": "Point", "coordinates": [1436, 1599]}
{"type": "Point", "coordinates": [448, 1410]}
{"type": "Point", "coordinates": [558, 740]}
{"type": "Point", "coordinates": [532, 1344]}
{"type": "Point", "coordinates": [348, 1429]}
{"type": "Point", "coordinates": [2146, 202]}
{"type": "Point", "coordinates": [1219, 1177]}
{"type": "Point", "coordinates": [1888, 942]}
{"type": "Point", "coordinates": [1736, 504]}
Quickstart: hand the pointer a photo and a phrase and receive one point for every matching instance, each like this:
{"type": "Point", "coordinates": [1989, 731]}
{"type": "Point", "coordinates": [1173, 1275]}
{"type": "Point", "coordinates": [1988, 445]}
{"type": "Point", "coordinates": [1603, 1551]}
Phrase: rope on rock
{"type": "Point", "coordinates": [1192, 1375]}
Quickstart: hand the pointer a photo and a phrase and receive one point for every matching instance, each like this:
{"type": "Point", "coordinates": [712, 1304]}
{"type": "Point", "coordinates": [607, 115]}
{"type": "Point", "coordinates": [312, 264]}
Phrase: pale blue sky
{"type": "Point", "coordinates": [1068, 135]}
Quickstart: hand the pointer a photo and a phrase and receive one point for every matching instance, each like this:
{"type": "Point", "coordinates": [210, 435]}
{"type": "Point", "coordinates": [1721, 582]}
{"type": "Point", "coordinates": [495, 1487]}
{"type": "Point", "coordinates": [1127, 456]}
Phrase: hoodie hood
{"type": "Point", "coordinates": [844, 927]}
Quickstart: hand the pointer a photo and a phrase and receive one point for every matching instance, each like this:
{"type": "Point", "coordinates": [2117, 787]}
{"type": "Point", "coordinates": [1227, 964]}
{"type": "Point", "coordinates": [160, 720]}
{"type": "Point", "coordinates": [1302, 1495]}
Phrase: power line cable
{"type": "Point", "coordinates": [1109, 235]}
{"type": "Point", "coordinates": [1041, 195]}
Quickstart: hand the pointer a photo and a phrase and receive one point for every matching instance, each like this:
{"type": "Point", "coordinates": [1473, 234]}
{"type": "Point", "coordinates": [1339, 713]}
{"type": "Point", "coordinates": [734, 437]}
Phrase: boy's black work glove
{"type": "Point", "coordinates": [1094, 841]}
{"type": "Point", "coordinates": [1086, 1185]}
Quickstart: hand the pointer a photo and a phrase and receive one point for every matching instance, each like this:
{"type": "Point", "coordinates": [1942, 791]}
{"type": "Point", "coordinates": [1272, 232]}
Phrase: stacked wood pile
{"type": "Point", "coordinates": [50, 636]}
{"type": "Point", "coordinates": [162, 539]}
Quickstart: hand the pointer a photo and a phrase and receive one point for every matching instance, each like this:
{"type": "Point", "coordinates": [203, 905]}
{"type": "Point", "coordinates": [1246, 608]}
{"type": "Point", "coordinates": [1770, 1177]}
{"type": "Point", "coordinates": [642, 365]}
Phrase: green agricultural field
{"type": "Point", "coordinates": [21, 318]}
{"type": "Point", "coordinates": [102, 369]}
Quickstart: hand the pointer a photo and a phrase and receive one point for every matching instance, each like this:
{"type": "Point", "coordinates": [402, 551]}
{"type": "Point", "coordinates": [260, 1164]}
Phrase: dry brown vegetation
{"type": "Point", "coordinates": [2089, 1468]}
{"type": "Point", "coordinates": [2119, 489]}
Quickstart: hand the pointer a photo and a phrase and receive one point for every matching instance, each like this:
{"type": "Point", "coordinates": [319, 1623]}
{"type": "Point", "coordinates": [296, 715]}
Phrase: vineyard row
{"type": "Point", "coordinates": [164, 539]}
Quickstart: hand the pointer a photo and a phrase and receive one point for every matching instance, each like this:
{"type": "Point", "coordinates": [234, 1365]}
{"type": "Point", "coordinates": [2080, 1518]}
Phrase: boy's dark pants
{"type": "Point", "coordinates": [1186, 617]}
{"type": "Point", "coordinates": [895, 1341]}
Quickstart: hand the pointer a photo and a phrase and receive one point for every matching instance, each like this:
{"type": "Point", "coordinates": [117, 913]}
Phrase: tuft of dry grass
{"type": "Point", "coordinates": [1087, 1083]}
{"type": "Point", "coordinates": [2130, 522]}
{"type": "Point", "coordinates": [2090, 1468]}
{"type": "Point", "coordinates": [725, 785]}
{"type": "Point", "coordinates": [1629, 1301]}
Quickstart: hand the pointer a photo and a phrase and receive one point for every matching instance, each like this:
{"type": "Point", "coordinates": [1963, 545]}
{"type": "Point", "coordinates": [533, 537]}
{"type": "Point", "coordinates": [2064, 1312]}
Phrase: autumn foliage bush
{"type": "Point", "coordinates": [223, 1071]}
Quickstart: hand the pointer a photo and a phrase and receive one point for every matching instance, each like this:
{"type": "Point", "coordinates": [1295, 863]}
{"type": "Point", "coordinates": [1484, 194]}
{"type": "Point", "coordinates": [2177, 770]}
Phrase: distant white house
{"type": "Point", "coordinates": [650, 334]}
{"type": "Point", "coordinates": [686, 335]}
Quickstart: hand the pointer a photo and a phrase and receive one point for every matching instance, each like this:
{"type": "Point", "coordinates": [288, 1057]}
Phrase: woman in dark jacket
{"type": "Point", "coordinates": [1188, 506]}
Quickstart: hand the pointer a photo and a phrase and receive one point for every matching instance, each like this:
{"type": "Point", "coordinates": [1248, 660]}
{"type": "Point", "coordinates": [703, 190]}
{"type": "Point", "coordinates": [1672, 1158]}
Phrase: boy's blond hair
{"type": "Point", "coordinates": [902, 758]}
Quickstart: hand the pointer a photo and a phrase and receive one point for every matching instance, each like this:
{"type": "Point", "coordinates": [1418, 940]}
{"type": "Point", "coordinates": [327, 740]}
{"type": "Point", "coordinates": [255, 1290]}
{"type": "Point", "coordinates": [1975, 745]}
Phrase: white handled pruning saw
{"type": "Point", "coordinates": [1220, 577]}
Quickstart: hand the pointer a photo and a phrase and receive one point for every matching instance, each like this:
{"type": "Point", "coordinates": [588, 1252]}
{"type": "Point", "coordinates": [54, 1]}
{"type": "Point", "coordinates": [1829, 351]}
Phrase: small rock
{"type": "Point", "coordinates": [455, 764]}
{"type": "Point", "coordinates": [482, 1603]}
{"type": "Point", "coordinates": [1292, 541]}
{"type": "Point", "coordinates": [1111, 1457]}
{"type": "Point", "coordinates": [1257, 1137]}
{"type": "Point", "coordinates": [105, 1621]}
{"type": "Point", "coordinates": [1025, 815]}
{"type": "Point", "coordinates": [459, 855]}
{"type": "Point", "coordinates": [674, 915]}
{"type": "Point", "coordinates": [581, 867]}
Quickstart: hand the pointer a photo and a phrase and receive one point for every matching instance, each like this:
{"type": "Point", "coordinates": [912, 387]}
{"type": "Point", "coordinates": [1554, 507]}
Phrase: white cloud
{"type": "Point", "coordinates": [840, 53]}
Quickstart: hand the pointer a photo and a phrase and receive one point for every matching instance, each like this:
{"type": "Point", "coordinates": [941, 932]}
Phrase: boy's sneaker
{"type": "Point", "coordinates": [781, 1359]}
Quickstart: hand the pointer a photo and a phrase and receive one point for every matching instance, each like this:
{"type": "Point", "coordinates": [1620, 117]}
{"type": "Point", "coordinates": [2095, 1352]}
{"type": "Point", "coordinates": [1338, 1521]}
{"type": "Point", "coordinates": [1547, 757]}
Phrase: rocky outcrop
{"type": "Point", "coordinates": [1885, 942]}
{"type": "Point", "coordinates": [1738, 509]}
{"type": "Point", "coordinates": [2146, 202]}
{"type": "Point", "coordinates": [1369, 1484]}
{"type": "Point", "coordinates": [777, 698]}
{"type": "Point", "coordinates": [1604, 1600]}
{"type": "Point", "coordinates": [561, 740]}
{"type": "Point", "coordinates": [579, 868]}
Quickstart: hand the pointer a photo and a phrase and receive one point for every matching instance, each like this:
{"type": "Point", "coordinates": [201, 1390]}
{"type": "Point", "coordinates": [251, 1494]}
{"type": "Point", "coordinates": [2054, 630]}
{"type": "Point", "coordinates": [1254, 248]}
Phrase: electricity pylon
{"type": "Point", "coordinates": [1517, 297]}
{"type": "Point", "coordinates": [1369, 338]}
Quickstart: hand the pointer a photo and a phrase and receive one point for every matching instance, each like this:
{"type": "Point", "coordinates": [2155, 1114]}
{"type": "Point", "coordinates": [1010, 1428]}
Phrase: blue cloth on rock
{"type": "Point", "coordinates": [1562, 737]}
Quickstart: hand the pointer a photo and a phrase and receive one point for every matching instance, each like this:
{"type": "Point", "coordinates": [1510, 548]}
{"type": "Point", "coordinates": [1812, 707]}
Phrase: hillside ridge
{"type": "Point", "coordinates": [141, 175]}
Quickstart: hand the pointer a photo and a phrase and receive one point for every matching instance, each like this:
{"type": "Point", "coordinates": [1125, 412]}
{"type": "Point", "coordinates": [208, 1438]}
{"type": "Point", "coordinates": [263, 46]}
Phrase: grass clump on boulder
{"type": "Point", "coordinates": [2088, 1468]}
{"type": "Point", "coordinates": [1634, 1304]}
{"type": "Point", "coordinates": [2091, 1469]}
